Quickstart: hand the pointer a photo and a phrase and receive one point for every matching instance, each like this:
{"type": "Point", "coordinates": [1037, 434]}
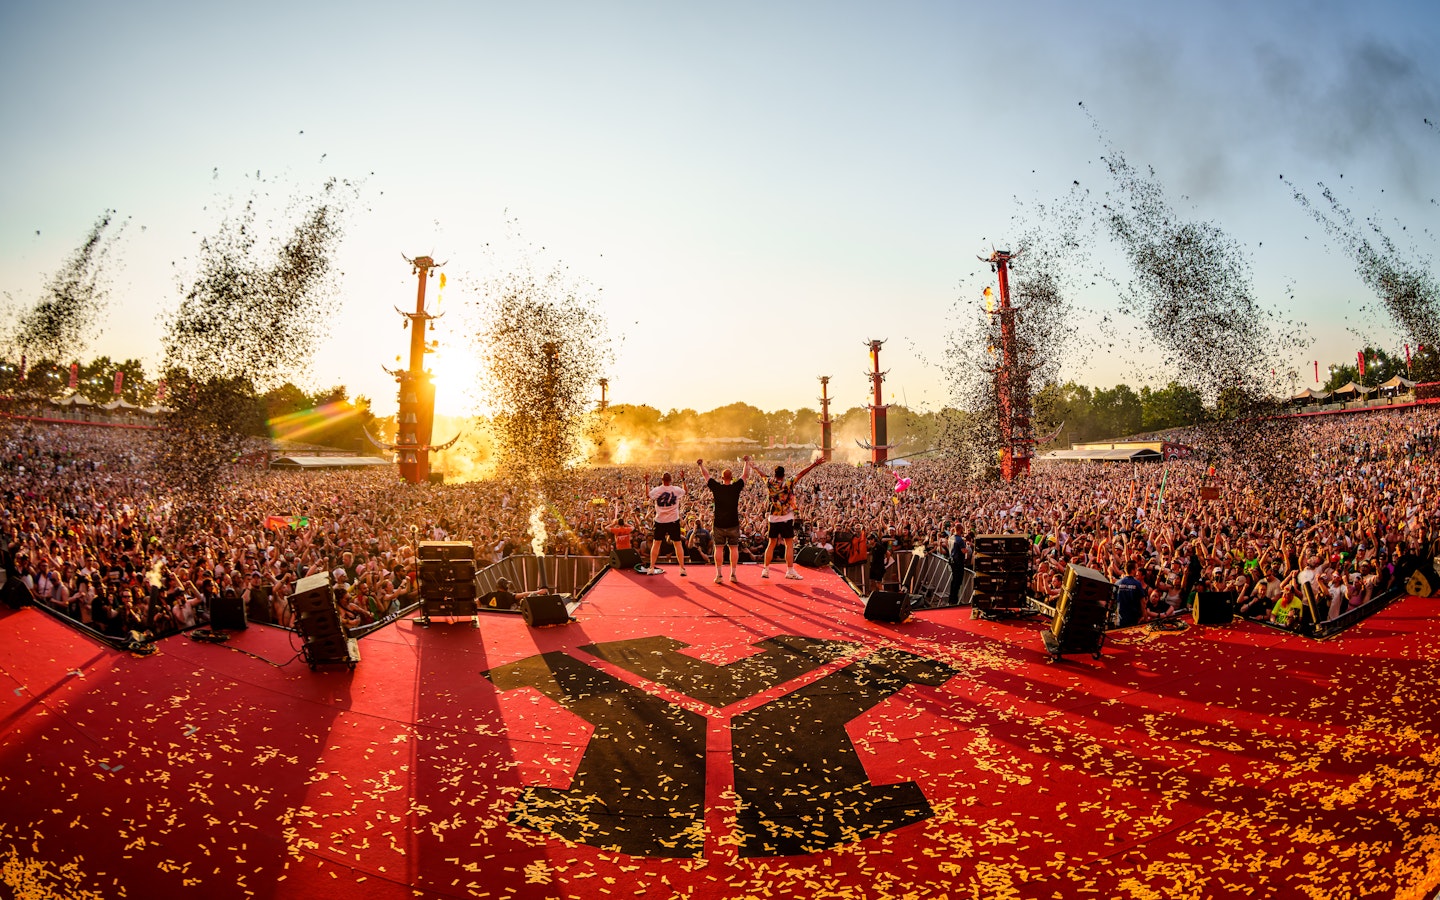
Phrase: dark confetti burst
{"type": "Point", "coordinates": [545, 343]}
{"type": "Point", "coordinates": [59, 324]}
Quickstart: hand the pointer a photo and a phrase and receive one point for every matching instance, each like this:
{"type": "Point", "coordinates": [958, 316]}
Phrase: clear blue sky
{"type": "Point", "coordinates": [755, 188]}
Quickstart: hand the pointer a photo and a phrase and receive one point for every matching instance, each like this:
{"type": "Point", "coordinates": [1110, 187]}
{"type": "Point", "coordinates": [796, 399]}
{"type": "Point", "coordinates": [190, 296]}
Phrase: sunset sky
{"type": "Point", "coordinates": [752, 190]}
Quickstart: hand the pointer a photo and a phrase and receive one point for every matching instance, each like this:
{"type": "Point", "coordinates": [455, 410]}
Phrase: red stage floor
{"type": "Point", "coordinates": [688, 739]}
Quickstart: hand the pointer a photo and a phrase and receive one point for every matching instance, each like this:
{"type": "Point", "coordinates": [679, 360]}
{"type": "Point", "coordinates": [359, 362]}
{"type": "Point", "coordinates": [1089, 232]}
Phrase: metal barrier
{"type": "Point", "coordinates": [1332, 627]}
{"type": "Point", "coordinates": [571, 575]}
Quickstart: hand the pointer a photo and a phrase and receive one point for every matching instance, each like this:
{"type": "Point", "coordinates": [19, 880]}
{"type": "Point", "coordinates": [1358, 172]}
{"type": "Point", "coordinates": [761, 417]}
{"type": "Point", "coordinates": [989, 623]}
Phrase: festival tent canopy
{"type": "Point", "coordinates": [72, 400]}
{"type": "Point", "coordinates": [1397, 383]}
{"type": "Point", "coordinates": [327, 462]}
{"type": "Point", "coordinates": [1085, 454]}
{"type": "Point", "coordinates": [1307, 394]}
{"type": "Point", "coordinates": [119, 403]}
{"type": "Point", "coordinates": [1353, 388]}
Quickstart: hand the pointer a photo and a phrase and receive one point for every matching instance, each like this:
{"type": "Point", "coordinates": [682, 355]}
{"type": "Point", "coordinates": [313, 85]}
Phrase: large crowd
{"type": "Point", "coordinates": [1324, 516]}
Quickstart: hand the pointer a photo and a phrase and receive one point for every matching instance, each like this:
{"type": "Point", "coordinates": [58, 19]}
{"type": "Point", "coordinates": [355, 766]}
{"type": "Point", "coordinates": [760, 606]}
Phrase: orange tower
{"type": "Point", "coordinates": [1012, 383]}
{"type": "Point", "coordinates": [415, 420]}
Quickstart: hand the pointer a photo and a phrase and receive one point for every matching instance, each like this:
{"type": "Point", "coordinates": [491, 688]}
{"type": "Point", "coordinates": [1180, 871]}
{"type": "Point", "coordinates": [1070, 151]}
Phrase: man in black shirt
{"type": "Point", "coordinates": [727, 515]}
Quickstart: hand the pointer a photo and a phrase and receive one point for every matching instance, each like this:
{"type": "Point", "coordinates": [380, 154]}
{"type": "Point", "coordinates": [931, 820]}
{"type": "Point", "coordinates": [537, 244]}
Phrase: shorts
{"type": "Point", "coordinates": [724, 536]}
{"type": "Point", "coordinates": [784, 531]}
{"type": "Point", "coordinates": [668, 531]}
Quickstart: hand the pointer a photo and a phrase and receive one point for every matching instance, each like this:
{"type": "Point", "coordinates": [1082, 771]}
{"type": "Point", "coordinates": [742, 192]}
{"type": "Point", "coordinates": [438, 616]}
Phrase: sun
{"type": "Point", "coordinates": [456, 374]}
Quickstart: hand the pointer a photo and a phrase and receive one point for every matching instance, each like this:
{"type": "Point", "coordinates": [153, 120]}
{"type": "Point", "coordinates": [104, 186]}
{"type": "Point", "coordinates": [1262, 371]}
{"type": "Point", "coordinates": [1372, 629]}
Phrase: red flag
{"type": "Point", "coordinates": [74, 376]}
{"type": "Point", "coordinates": [1361, 357]}
{"type": "Point", "coordinates": [1407, 356]}
{"type": "Point", "coordinates": [160, 393]}
{"type": "Point", "coordinates": [119, 381]}
{"type": "Point", "coordinates": [22, 367]}
{"type": "Point", "coordinates": [1317, 371]}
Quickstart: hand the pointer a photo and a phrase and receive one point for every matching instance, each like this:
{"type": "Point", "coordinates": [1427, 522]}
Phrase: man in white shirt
{"type": "Point", "coordinates": [667, 522]}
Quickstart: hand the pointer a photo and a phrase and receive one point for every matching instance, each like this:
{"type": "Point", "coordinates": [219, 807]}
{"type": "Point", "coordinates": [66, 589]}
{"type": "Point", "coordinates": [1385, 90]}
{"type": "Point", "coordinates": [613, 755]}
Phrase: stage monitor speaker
{"type": "Point", "coordinates": [545, 609]}
{"type": "Point", "coordinates": [624, 559]}
{"type": "Point", "coordinates": [228, 612]}
{"type": "Point", "coordinates": [1082, 614]}
{"type": "Point", "coordinates": [887, 606]}
{"type": "Point", "coordinates": [446, 550]}
{"type": "Point", "coordinates": [1214, 607]}
{"type": "Point", "coordinates": [813, 556]}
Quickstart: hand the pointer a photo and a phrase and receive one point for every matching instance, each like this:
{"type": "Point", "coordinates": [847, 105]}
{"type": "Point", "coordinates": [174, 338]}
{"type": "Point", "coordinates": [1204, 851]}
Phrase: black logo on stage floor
{"type": "Point", "coordinates": [640, 785]}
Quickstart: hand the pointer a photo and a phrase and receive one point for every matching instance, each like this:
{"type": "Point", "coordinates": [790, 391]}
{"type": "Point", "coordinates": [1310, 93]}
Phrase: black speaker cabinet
{"type": "Point", "coordinates": [887, 606]}
{"type": "Point", "coordinates": [447, 570]}
{"type": "Point", "coordinates": [813, 556]}
{"type": "Point", "coordinates": [445, 550]}
{"type": "Point", "coordinates": [545, 609]}
{"type": "Point", "coordinates": [316, 616]}
{"type": "Point", "coordinates": [1002, 563]}
{"type": "Point", "coordinates": [624, 559]}
{"type": "Point", "coordinates": [1001, 582]}
{"type": "Point", "coordinates": [228, 612]}
{"type": "Point", "coordinates": [448, 590]}
{"type": "Point", "coordinates": [1001, 543]}
{"type": "Point", "coordinates": [1082, 614]}
{"type": "Point", "coordinates": [1214, 607]}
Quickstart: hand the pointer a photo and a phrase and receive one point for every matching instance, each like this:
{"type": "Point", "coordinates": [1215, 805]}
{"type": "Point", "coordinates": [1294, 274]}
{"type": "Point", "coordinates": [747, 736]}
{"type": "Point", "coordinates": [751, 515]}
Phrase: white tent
{"type": "Point", "coordinates": [1352, 389]}
{"type": "Point", "coordinates": [1397, 383]}
{"type": "Point", "coordinates": [1308, 394]}
{"type": "Point", "coordinates": [72, 400]}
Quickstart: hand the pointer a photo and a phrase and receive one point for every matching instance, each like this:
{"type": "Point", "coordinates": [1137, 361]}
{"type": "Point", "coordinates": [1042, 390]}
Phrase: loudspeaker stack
{"type": "Point", "coordinates": [316, 616]}
{"type": "Point", "coordinates": [1082, 614]}
{"type": "Point", "coordinates": [446, 579]}
{"type": "Point", "coordinates": [1002, 575]}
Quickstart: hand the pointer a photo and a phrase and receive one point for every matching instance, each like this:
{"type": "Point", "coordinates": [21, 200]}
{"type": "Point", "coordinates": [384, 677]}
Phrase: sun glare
{"type": "Point", "coordinates": [457, 380]}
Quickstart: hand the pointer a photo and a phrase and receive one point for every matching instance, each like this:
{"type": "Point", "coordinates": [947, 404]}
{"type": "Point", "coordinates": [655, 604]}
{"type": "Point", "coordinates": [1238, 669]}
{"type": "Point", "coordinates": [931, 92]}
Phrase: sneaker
{"type": "Point", "coordinates": [733, 578]}
{"type": "Point", "coordinates": [718, 579]}
{"type": "Point", "coordinates": [682, 573]}
{"type": "Point", "coordinates": [795, 575]}
{"type": "Point", "coordinates": [765, 573]}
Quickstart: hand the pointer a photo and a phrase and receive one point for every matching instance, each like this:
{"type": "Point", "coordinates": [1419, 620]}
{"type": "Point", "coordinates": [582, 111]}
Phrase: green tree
{"type": "Point", "coordinates": [1172, 406]}
{"type": "Point", "coordinates": [1117, 412]}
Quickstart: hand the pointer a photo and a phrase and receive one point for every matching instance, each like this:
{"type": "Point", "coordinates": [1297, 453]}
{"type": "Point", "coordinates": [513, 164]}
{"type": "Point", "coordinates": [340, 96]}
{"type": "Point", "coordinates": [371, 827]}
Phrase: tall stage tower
{"type": "Point", "coordinates": [827, 446]}
{"type": "Point", "coordinates": [1012, 378]}
{"type": "Point", "coordinates": [879, 449]}
{"type": "Point", "coordinates": [415, 420]}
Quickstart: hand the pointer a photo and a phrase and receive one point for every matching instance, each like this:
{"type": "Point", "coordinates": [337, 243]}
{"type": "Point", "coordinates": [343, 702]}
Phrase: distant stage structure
{"type": "Point", "coordinates": [827, 447]}
{"type": "Point", "coordinates": [879, 447]}
{"type": "Point", "coordinates": [415, 419]}
{"type": "Point", "coordinates": [1012, 376]}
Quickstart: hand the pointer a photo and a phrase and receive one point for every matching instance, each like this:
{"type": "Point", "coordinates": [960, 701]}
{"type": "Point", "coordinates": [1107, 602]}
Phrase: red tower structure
{"type": "Point", "coordinates": [415, 420]}
{"type": "Point", "coordinates": [827, 448]}
{"type": "Point", "coordinates": [1012, 381]}
{"type": "Point", "coordinates": [879, 449]}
